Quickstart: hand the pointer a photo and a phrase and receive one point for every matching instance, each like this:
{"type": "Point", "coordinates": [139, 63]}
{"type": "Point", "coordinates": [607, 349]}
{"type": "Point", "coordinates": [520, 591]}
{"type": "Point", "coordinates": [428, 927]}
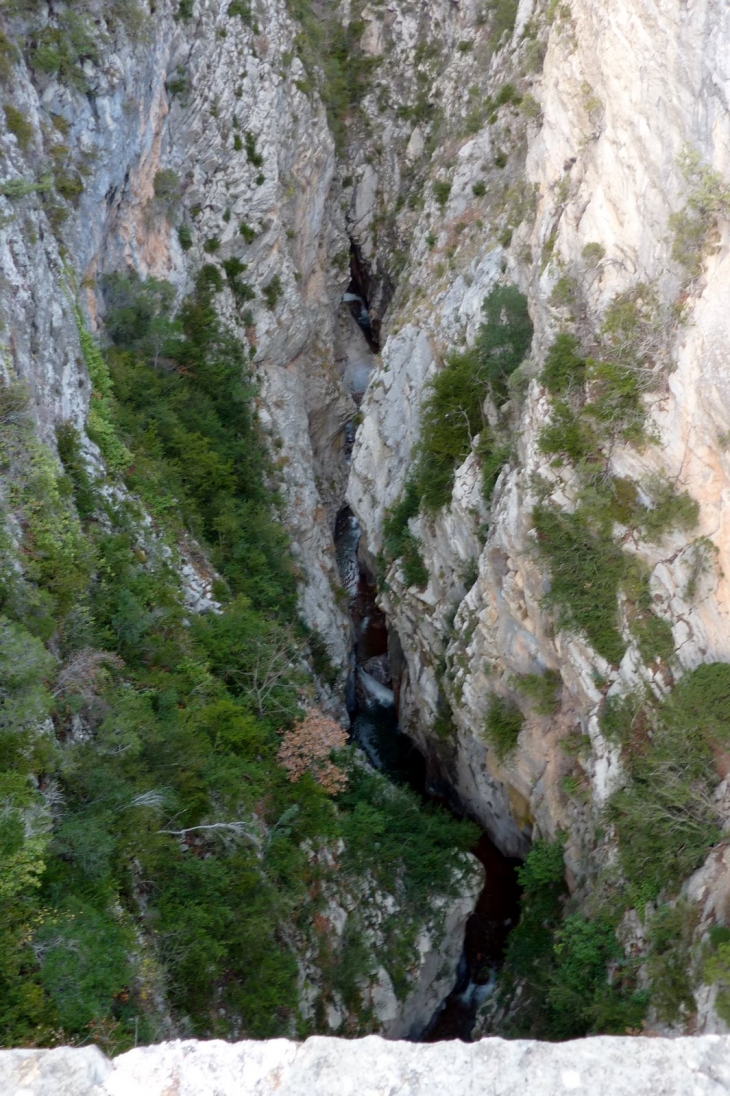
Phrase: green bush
{"type": "Point", "coordinates": [586, 571]}
{"type": "Point", "coordinates": [19, 126]}
{"type": "Point", "coordinates": [441, 191]}
{"type": "Point", "coordinates": [708, 200]}
{"type": "Point", "coordinates": [503, 16]}
{"type": "Point", "coordinates": [502, 726]}
{"type": "Point", "coordinates": [167, 186]}
{"type": "Point", "coordinates": [479, 189]}
{"type": "Point", "coordinates": [664, 817]}
{"type": "Point", "coordinates": [252, 155]}
{"type": "Point", "coordinates": [249, 234]}
{"type": "Point", "coordinates": [395, 526]}
{"type": "Point", "coordinates": [716, 968]}
{"type": "Point", "coordinates": [451, 414]}
{"type": "Point", "coordinates": [568, 434]}
{"type": "Point", "coordinates": [670, 932]}
{"type": "Point", "coordinates": [69, 184]}
{"type": "Point", "coordinates": [241, 290]}
{"type": "Point", "coordinates": [185, 236]}
{"type": "Point", "coordinates": [670, 509]}
{"type": "Point", "coordinates": [415, 572]}
{"type": "Point", "coordinates": [8, 57]}
{"type": "Point", "coordinates": [242, 9]}
{"type": "Point", "coordinates": [62, 47]}
{"type": "Point", "coordinates": [564, 368]}
{"type": "Point", "coordinates": [542, 689]}
{"type": "Point", "coordinates": [272, 292]}
{"type": "Point", "coordinates": [560, 963]}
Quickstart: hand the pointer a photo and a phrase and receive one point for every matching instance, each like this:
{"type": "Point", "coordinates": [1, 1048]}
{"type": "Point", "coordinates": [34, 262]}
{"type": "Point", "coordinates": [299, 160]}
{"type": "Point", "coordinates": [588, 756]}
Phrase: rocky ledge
{"type": "Point", "coordinates": [699, 1066]}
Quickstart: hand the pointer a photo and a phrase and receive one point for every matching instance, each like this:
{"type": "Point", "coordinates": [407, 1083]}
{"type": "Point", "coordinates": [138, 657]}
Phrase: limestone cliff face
{"type": "Point", "coordinates": [180, 99]}
{"type": "Point", "coordinates": [446, 186]}
{"type": "Point", "coordinates": [200, 137]}
{"type": "Point", "coordinates": [623, 91]}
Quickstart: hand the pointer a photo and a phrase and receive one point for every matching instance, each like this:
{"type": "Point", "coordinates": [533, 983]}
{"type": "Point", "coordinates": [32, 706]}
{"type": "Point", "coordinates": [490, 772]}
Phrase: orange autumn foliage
{"type": "Point", "coordinates": [306, 748]}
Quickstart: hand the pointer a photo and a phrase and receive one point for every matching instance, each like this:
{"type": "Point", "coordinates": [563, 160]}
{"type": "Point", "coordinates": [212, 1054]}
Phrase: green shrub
{"type": "Point", "coordinates": [178, 84]}
{"type": "Point", "coordinates": [415, 572]}
{"type": "Point", "coordinates": [565, 293]}
{"type": "Point", "coordinates": [542, 689]}
{"type": "Point", "coordinates": [664, 818]}
{"type": "Point", "coordinates": [560, 963]}
{"type": "Point", "coordinates": [252, 155]}
{"type": "Point", "coordinates": [19, 126]}
{"type": "Point", "coordinates": [395, 526]}
{"type": "Point", "coordinates": [69, 184]}
{"type": "Point", "coordinates": [564, 368]}
{"type": "Point", "coordinates": [209, 279]}
{"type": "Point", "coordinates": [716, 968]}
{"type": "Point", "coordinates": [249, 234]}
{"type": "Point", "coordinates": [479, 189]}
{"type": "Point", "coordinates": [503, 16]}
{"type": "Point", "coordinates": [167, 186]}
{"type": "Point", "coordinates": [654, 638]}
{"type": "Point", "coordinates": [8, 57]}
{"type": "Point", "coordinates": [272, 292]}
{"type": "Point", "coordinates": [586, 571]}
{"type": "Point", "coordinates": [508, 93]}
{"type": "Point", "coordinates": [63, 46]}
{"type": "Point", "coordinates": [242, 9]}
{"type": "Point", "coordinates": [211, 245]}
{"type": "Point", "coordinates": [570, 435]}
{"type": "Point", "coordinates": [502, 726]}
{"type": "Point", "coordinates": [493, 456]}
{"type": "Point", "coordinates": [670, 933]}
{"type": "Point", "coordinates": [441, 190]}
{"type": "Point", "coordinates": [451, 414]}
{"type": "Point", "coordinates": [592, 254]}
{"type": "Point", "coordinates": [670, 509]}
{"type": "Point", "coordinates": [21, 188]}
{"type": "Point", "coordinates": [708, 200]}
{"type": "Point", "coordinates": [185, 236]}
{"type": "Point", "coordinates": [234, 268]}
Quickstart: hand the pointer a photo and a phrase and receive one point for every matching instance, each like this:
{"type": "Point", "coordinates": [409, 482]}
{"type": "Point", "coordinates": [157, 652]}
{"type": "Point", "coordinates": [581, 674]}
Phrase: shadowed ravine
{"type": "Point", "coordinates": [372, 704]}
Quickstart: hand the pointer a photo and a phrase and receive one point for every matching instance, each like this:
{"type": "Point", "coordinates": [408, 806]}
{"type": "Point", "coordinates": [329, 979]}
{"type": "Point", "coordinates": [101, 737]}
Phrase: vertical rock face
{"type": "Point", "coordinates": [626, 122]}
{"type": "Point", "coordinates": [578, 151]}
{"type": "Point", "coordinates": [192, 135]}
{"type": "Point", "coordinates": [185, 99]}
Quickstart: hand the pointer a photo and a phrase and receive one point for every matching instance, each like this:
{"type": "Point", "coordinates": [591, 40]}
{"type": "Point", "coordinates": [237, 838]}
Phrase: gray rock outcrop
{"type": "Point", "coordinates": [372, 1067]}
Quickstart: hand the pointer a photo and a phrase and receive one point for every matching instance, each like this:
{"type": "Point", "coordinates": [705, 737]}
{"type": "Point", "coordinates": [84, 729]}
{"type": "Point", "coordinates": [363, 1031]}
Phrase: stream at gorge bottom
{"type": "Point", "coordinates": [372, 704]}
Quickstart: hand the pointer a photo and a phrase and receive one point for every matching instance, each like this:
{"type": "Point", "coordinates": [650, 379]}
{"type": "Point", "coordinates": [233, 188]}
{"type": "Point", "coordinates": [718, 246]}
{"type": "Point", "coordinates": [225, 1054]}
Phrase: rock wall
{"type": "Point", "coordinates": [331, 1067]}
{"type": "Point", "coordinates": [580, 184]}
{"type": "Point", "coordinates": [200, 141]}
{"type": "Point", "coordinates": [180, 99]}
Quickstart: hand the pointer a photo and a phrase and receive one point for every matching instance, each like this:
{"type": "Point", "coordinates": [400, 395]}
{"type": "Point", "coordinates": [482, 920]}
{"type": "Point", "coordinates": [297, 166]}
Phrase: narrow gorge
{"type": "Point", "coordinates": [364, 444]}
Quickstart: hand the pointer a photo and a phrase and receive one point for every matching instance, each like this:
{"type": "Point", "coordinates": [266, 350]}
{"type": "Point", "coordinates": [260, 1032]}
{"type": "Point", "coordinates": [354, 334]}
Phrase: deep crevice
{"type": "Point", "coordinates": [372, 701]}
{"type": "Point", "coordinates": [368, 295]}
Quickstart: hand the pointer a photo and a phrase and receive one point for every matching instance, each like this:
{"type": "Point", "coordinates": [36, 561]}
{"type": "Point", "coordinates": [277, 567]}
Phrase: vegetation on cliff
{"type": "Point", "coordinates": [160, 869]}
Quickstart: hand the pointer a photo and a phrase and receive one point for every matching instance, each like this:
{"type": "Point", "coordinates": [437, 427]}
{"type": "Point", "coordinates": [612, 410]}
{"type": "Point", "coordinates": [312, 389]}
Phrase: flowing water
{"type": "Point", "coordinates": [372, 703]}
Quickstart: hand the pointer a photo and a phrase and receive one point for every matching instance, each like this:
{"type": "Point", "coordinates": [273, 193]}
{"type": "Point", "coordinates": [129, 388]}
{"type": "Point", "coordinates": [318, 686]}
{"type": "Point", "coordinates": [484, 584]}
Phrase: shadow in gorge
{"type": "Point", "coordinates": [359, 298]}
{"type": "Point", "coordinates": [372, 704]}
